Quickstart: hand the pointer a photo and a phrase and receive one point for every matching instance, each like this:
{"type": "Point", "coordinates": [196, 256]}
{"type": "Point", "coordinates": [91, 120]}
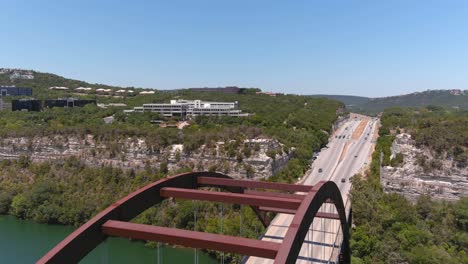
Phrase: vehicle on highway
{"type": "Point", "coordinates": [320, 170]}
{"type": "Point", "coordinates": [343, 180]}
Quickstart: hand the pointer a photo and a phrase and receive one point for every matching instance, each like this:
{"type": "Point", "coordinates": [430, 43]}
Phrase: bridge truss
{"type": "Point", "coordinates": [303, 201]}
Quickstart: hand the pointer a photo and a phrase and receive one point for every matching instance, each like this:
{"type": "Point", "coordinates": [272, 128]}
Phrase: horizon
{"type": "Point", "coordinates": [355, 48]}
{"type": "Point", "coordinates": [182, 88]}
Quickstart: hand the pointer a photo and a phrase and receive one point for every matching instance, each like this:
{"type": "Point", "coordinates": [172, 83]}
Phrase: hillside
{"type": "Point", "coordinates": [349, 100]}
{"type": "Point", "coordinates": [63, 165]}
{"type": "Point", "coordinates": [429, 147]}
{"type": "Point", "coordinates": [444, 98]}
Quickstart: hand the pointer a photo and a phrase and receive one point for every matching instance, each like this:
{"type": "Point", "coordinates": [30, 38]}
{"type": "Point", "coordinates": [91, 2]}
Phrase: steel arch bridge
{"type": "Point", "coordinates": [113, 221]}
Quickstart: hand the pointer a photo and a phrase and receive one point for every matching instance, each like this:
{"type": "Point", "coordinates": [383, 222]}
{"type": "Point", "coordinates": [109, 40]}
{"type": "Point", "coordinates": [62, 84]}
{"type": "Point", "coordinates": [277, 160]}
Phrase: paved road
{"type": "Point", "coordinates": [348, 151]}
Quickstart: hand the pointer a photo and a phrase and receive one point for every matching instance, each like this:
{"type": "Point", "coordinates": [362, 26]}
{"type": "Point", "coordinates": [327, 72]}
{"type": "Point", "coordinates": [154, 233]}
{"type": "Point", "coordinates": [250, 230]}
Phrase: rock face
{"type": "Point", "coordinates": [135, 153]}
{"type": "Point", "coordinates": [411, 179]}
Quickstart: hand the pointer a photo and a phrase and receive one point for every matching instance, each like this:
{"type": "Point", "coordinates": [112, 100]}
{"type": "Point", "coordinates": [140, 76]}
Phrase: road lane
{"type": "Point", "coordinates": [355, 152]}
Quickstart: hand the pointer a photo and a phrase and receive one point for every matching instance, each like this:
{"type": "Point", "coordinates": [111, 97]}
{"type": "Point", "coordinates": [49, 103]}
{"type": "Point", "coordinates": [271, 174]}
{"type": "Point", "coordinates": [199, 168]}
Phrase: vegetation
{"type": "Point", "coordinates": [391, 229]}
{"type": "Point", "coordinates": [372, 106]}
{"type": "Point", "coordinates": [300, 123]}
{"type": "Point", "coordinates": [443, 131]}
{"type": "Point", "coordinates": [68, 192]}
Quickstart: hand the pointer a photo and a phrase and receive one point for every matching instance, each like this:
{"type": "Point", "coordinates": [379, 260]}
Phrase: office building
{"type": "Point", "coordinates": [68, 102]}
{"type": "Point", "coordinates": [15, 91]}
{"type": "Point", "coordinates": [26, 105]}
{"type": "Point", "coordinates": [191, 108]}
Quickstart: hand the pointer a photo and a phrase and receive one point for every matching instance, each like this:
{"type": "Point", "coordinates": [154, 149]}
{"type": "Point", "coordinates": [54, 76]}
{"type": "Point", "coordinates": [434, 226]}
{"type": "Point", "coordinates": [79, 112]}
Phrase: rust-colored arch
{"type": "Point", "coordinates": [305, 214]}
{"type": "Point", "coordinates": [88, 236]}
{"type": "Point", "coordinates": [113, 219]}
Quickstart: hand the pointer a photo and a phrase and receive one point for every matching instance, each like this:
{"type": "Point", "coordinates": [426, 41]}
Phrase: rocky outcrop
{"type": "Point", "coordinates": [412, 177]}
{"type": "Point", "coordinates": [264, 157]}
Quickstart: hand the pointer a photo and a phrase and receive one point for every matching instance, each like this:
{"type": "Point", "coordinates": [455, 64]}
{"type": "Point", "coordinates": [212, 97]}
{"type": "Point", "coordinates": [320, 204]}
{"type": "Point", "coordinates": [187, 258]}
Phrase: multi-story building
{"type": "Point", "coordinates": [184, 108]}
{"type": "Point", "coordinates": [26, 105]}
{"type": "Point", "coordinates": [68, 102]}
{"type": "Point", "coordinates": [15, 91]}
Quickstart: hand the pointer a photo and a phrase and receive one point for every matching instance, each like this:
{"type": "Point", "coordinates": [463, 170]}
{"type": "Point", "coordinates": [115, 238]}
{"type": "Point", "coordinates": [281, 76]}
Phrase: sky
{"type": "Point", "coordinates": [368, 48]}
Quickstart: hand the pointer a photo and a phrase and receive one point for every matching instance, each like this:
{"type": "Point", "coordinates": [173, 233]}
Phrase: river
{"type": "Point", "coordinates": [25, 242]}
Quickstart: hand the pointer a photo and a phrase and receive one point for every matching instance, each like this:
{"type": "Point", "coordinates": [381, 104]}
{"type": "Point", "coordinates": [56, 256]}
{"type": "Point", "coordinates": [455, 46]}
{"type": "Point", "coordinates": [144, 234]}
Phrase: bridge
{"type": "Point", "coordinates": [311, 224]}
{"type": "Point", "coordinates": [305, 203]}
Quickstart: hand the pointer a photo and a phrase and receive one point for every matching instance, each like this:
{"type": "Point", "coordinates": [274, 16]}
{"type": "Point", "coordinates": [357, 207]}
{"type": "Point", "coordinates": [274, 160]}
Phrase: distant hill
{"type": "Point", "coordinates": [348, 100]}
{"type": "Point", "coordinates": [40, 82]}
{"type": "Point", "coordinates": [444, 98]}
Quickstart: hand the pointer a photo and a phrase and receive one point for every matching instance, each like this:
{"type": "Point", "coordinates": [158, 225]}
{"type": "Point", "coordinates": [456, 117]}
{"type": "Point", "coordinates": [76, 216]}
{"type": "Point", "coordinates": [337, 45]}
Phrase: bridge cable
{"type": "Point", "coordinates": [158, 245]}
{"type": "Point", "coordinates": [240, 219]}
{"type": "Point", "coordinates": [195, 205]}
{"type": "Point", "coordinates": [309, 234]}
{"type": "Point", "coordinates": [222, 229]}
{"type": "Point", "coordinates": [323, 235]}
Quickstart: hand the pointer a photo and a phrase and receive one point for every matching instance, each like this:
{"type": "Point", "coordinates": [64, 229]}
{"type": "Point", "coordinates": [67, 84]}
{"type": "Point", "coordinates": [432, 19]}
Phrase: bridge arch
{"type": "Point", "coordinates": [297, 231]}
{"type": "Point", "coordinates": [84, 239]}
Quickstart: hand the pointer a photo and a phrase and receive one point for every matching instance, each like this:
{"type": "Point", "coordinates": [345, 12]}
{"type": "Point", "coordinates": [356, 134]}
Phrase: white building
{"type": "Point", "coordinates": [147, 92]}
{"type": "Point", "coordinates": [191, 108]}
{"type": "Point", "coordinates": [83, 89]}
{"type": "Point", "coordinates": [58, 88]}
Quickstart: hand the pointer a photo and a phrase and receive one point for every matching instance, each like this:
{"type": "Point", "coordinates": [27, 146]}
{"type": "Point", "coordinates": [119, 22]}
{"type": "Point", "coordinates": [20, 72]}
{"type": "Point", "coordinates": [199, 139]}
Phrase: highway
{"type": "Point", "coordinates": [348, 151]}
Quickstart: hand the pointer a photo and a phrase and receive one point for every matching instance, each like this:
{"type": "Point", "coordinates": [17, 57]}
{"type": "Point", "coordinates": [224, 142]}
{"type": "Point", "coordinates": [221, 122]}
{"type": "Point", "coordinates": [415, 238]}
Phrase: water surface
{"type": "Point", "coordinates": [25, 242]}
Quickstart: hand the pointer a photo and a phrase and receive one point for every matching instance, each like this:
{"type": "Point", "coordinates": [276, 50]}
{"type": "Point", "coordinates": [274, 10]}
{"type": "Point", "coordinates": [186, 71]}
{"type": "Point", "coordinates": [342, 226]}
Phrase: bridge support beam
{"type": "Point", "coordinates": [186, 238]}
{"type": "Point", "coordinates": [233, 198]}
{"type": "Point", "coordinates": [293, 212]}
{"type": "Point", "coordinates": [210, 181]}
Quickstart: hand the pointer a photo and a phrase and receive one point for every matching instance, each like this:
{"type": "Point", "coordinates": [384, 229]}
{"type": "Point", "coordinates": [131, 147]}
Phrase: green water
{"type": "Point", "coordinates": [25, 242]}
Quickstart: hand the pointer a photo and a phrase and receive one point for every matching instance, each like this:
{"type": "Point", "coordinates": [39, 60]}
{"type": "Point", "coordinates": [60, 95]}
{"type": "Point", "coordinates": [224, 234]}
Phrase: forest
{"type": "Point", "coordinates": [69, 192]}
{"type": "Point", "coordinates": [391, 229]}
{"type": "Point", "coordinates": [443, 130]}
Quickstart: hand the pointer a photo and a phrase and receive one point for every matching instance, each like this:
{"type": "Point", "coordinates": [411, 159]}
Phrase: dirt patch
{"type": "Point", "coordinates": [362, 125]}
{"type": "Point", "coordinates": [343, 152]}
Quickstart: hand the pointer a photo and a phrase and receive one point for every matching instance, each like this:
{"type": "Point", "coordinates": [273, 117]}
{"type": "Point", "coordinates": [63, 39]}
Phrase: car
{"type": "Point", "coordinates": [320, 170]}
{"type": "Point", "coordinates": [355, 156]}
{"type": "Point", "coordinates": [343, 180]}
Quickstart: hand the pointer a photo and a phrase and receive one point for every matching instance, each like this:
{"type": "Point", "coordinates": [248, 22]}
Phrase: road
{"type": "Point", "coordinates": [348, 151]}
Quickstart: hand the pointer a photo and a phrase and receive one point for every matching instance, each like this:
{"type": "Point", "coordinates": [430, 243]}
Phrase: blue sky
{"type": "Point", "coordinates": [371, 48]}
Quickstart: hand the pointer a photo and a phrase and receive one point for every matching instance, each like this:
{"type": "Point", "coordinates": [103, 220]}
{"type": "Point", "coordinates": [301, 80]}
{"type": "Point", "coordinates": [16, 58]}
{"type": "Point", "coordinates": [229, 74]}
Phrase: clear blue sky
{"type": "Point", "coordinates": [371, 48]}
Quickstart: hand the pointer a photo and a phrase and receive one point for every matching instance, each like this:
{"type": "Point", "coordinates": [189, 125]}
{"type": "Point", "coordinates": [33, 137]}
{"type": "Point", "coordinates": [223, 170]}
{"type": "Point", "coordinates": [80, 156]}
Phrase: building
{"type": "Point", "coordinates": [26, 105]}
{"type": "Point", "coordinates": [59, 88]}
{"type": "Point", "coordinates": [191, 108]}
{"type": "Point", "coordinates": [83, 89]}
{"type": "Point", "coordinates": [147, 92]}
{"type": "Point", "coordinates": [103, 91]}
{"type": "Point", "coordinates": [68, 102]}
{"type": "Point", "coordinates": [15, 91]}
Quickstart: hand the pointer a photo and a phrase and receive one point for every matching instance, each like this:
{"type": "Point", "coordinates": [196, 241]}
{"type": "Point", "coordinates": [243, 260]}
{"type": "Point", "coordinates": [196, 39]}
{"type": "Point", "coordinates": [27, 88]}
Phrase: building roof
{"type": "Point", "coordinates": [147, 92]}
{"type": "Point", "coordinates": [58, 88]}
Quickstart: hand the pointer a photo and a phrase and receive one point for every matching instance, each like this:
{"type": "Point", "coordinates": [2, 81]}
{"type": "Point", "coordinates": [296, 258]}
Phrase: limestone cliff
{"type": "Point", "coordinates": [423, 173]}
{"type": "Point", "coordinates": [265, 157]}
